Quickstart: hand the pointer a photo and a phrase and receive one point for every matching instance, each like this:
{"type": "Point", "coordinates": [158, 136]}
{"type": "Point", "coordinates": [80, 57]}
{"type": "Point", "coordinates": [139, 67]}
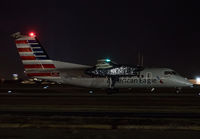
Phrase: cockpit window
{"type": "Point", "coordinates": [170, 73]}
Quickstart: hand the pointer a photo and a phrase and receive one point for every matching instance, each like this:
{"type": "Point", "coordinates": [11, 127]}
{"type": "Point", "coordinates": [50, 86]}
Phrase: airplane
{"type": "Point", "coordinates": [106, 74]}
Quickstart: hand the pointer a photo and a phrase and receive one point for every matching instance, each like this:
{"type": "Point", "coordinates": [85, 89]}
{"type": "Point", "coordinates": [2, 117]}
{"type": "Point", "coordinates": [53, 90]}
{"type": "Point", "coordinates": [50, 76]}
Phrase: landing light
{"type": "Point", "coordinates": [32, 34]}
{"type": "Point", "coordinates": [198, 80]}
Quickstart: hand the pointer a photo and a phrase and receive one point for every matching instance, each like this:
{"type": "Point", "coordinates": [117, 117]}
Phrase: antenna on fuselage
{"type": "Point", "coordinates": [140, 59]}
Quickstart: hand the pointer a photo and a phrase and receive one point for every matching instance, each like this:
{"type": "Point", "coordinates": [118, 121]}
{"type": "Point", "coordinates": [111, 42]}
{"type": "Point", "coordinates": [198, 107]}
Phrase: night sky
{"type": "Point", "coordinates": [82, 31]}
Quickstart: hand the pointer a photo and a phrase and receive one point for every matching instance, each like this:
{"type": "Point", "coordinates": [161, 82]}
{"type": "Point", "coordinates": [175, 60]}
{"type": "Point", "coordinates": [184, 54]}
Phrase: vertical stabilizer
{"type": "Point", "coordinates": [34, 57]}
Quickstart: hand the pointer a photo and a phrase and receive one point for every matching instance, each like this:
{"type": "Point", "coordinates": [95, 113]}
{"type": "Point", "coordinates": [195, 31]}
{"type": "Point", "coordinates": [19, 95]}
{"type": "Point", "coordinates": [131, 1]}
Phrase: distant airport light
{"type": "Point", "coordinates": [32, 34]}
{"type": "Point", "coordinates": [107, 60]}
{"type": "Point", "coordinates": [198, 80]}
{"type": "Point", "coordinates": [15, 76]}
{"type": "Point", "coordinates": [9, 91]}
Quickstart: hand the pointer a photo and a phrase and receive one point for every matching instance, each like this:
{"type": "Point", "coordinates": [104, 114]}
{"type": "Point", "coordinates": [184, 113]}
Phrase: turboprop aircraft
{"type": "Point", "coordinates": [106, 74]}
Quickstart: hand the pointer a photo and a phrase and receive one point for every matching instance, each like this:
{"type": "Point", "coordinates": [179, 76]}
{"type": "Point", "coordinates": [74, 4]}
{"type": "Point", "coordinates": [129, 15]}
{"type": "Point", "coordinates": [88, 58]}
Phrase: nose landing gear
{"type": "Point", "coordinates": [152, 89]}
{"type": "Point", "coordinates": [178, 90]}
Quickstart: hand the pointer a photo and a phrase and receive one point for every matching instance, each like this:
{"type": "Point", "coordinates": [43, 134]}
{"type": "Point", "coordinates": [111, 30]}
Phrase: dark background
{"type": "Point", "coordinates": [82, 31]}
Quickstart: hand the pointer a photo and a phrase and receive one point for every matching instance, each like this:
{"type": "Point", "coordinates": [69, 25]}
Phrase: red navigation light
{"type": "Point", "coordinates": [32, 34]}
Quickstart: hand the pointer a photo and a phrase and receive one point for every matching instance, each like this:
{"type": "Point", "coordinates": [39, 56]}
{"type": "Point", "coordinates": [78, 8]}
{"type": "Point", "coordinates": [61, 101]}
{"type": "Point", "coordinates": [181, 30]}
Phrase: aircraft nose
{"type": "Point", "coordinates": [182, 82]}
{"type": "Point", "coordinates": [186, 83]}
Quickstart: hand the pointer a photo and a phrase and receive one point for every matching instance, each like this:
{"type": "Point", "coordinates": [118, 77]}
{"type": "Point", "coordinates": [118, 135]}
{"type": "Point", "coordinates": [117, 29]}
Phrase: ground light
{"type": "Point", "coordinates": [197, 80]}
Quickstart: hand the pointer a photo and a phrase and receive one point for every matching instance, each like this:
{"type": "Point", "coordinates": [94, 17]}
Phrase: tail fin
{"type": "Point", "coordinates": [34, 57]}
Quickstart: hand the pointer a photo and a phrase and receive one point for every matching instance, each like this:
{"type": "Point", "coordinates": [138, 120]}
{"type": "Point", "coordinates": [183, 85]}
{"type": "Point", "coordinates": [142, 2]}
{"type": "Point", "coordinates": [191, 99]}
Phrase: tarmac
{"type": "Point", "coordinates": [72, 112]}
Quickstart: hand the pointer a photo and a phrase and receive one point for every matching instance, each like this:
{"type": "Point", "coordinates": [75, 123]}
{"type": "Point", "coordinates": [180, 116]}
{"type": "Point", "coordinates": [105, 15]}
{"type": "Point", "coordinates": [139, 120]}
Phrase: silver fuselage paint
{"type": "Point", "coordinates": [149, 78]}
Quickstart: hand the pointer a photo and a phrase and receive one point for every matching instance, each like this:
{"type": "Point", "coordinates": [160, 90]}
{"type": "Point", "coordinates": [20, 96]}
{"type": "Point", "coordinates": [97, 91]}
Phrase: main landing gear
{"type": "Point", "coordinates": [112, 80]}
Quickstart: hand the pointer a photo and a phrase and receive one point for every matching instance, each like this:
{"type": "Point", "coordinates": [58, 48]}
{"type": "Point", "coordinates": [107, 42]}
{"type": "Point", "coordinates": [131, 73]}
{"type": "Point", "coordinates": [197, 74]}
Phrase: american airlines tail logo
{"type": "Point", "coordinates": [159, 79]}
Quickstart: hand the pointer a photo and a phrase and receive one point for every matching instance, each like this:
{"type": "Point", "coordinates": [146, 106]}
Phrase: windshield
{"type": "Point", "coordinates": [170, 73]}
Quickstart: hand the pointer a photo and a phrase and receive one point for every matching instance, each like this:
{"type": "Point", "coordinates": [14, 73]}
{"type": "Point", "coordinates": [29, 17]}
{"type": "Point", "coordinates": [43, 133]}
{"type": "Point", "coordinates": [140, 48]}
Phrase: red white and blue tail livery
{"type": "Point", "coordinates": [35, 59]}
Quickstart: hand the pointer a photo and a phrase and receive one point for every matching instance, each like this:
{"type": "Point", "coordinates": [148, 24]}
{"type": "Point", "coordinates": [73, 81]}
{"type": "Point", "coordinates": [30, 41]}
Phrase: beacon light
{"type": "Point", "coordinates": [32, 34]}
{"type": "Point", "coordinates": [107, 60]}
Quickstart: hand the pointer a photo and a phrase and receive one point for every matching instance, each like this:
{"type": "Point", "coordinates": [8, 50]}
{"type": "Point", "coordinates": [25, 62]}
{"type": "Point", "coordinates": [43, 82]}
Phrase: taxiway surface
{"type": "Point", "coordinates": [28, 108]}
